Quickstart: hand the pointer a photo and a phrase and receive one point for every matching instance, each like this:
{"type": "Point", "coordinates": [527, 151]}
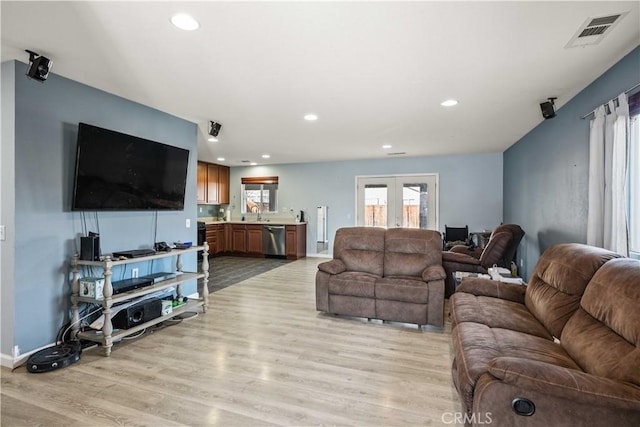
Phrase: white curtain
{"type": "Point", "coordinates": [595, 213]}
{"type": "Point", "coordinates": [619, 229]}
{"type": "Point", "coordinates": [608, 153]}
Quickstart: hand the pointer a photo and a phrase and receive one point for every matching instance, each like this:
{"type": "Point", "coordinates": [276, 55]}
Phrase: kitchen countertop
{"type": "Point", "coordinates": [275, 221]}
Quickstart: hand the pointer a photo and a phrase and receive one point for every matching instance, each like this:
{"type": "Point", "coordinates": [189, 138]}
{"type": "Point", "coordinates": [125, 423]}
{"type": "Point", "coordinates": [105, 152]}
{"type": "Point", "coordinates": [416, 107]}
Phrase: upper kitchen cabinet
{"type": "Point", "coordinates": [213, 184]}
{"type": "Point", "coordinates": [201, 194]}
{"type": "Point", "coordinates": [223, 184]}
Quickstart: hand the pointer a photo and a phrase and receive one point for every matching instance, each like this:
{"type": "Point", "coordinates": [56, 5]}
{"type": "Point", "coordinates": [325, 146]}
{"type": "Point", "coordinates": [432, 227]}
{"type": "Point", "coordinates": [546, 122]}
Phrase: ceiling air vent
{"type": "Point", "coordinates": [593, 30]}
{"type": "Point", "coordinates": [400, 153]}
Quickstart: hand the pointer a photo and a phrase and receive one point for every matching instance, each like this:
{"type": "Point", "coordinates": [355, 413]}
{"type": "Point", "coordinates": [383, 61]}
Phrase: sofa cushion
{"type": "Point", "coordinates": [603, 336]}
{"type": "Point", "coordinates": [559, 280]}
{"type": "Point", "coordinates": [353, 283]}
{"type": "Point", "coordinates": [409, 251]}
{"type": "Point", "coordinates": [352, 306]}
{"type": "Point", "coordinates": [495, 313]}
{"type": "Point", "coordinates": [360, 249]}
{"type": "Point", "coordinates": [476, 345]}
{"type": "Point", "coordinates": [402, 289]}
{"type": "Point", "coordinates": [399, 311]}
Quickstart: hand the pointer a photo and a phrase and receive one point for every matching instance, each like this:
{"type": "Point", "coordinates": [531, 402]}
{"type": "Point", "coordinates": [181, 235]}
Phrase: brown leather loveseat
{"type": "Point", "coordinates": [562, 351]}
{"type": "Point", "coordinates": [393, 275]}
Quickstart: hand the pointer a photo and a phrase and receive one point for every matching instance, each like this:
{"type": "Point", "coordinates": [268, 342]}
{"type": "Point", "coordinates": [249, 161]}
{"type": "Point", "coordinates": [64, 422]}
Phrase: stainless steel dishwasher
{"type": "Point", "coordinates": [273, 240]}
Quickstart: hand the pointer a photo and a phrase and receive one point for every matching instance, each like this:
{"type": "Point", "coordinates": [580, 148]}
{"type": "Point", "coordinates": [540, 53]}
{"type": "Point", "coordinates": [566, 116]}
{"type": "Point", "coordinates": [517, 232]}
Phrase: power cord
{"type": "Point", "coordinates": [132, 337]}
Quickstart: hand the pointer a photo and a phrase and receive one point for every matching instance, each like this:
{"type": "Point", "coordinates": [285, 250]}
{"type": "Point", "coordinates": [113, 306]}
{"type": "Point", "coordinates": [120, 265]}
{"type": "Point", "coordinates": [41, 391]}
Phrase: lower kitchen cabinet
{"type": "Point", "coordinates": [211, 236]}
{"type": "Point", "coordinates": [254, 239]}
{"type": "Point", "coordinates": [221, 239]}
{"type": "Point", "coordinates": [238, 238]}
{"type": "Point", "coordinates": [296, 241]}
{"type": "Point", "coordinates": [246, 239]}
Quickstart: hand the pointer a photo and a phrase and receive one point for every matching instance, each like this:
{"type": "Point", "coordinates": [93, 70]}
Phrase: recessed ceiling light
{"type": "Point", "coordinates": [266, 156]}
{"type": "Point", "coordinates": [387, 146]}
{"type": "Point", "coordinates": [220, 159]}
{"type": "Point", "coordinates": [311, 117]}
{"type": "Point", "coordinates": [212, 139]}
{"type": "Point", "coordinates": [449, 103]}
{"type": "Point", "coordinates": [185, 22]}
{"type": "Point", "coordinates": [253, 164]}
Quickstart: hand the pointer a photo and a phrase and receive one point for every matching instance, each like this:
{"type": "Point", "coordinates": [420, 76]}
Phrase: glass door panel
{"type": "Point", "coordinates": [418, 204]}
{"type": "Point", "coordinates": [398, 201]}
{"type": "Point", "coordinates": [375, 201]}
{"type": "Point", "coordinates": [375, 205]}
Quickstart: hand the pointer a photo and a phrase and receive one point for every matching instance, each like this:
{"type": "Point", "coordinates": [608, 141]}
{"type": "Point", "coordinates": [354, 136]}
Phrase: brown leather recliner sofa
{"type": "Point", "coordinates": [562, 351]}
{"type": "Point", "coordinates": [393, 275]}
{"type": "Point", "coordinates": [500, 250]}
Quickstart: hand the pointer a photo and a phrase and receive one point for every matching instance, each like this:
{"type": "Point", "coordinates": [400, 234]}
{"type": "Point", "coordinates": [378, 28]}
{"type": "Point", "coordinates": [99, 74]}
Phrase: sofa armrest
{"type": "Point", "coordinates": [464, 249]}
{"type": "Point", "coordinates": [459, 258]}
{"type": "Point", "coordinates": [335, 266]}
{"type": "Point", "coordinates": [492, 288]}
{"type": "Point", "coordinates": [433, 272]}
{"type": "Point", "coordinates": [565, 383]}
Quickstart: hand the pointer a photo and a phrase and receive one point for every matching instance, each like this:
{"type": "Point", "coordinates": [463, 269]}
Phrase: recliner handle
{"type": "Point", "coordinates": [523, 407]}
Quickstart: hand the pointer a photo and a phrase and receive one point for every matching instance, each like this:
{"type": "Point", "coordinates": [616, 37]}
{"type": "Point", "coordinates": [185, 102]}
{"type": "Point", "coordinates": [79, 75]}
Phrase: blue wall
{"type": "Point", "coordinates": [46, 231]}
{"type": "Point", "coordinates": [470, 188]}
{"type": "Point", "coordinates": [546, 172]}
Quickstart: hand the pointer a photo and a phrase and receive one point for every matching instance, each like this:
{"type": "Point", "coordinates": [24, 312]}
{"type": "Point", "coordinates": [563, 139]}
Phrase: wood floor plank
{"type": "Point", "coordinates": [262, 355]}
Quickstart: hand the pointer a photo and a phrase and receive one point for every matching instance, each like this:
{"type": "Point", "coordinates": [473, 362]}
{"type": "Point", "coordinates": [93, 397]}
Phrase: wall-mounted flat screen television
{"type": "Point", "coordinates": [119, 172]}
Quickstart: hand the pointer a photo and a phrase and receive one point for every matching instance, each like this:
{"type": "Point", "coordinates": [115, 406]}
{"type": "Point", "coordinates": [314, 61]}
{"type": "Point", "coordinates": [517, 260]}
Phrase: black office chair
{"type": "Point", "coordinates": [455, 236]}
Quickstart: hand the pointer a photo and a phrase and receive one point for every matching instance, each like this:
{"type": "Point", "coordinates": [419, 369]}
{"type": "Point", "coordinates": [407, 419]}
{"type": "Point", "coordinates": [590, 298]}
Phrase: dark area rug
{"type": "Point", "coordinates": [228, 270]}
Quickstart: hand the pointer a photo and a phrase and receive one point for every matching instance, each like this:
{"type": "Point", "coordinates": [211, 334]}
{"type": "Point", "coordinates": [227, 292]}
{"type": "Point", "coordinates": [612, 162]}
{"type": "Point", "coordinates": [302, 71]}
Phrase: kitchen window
{"type": "Point", "coordinates": [259, 195]}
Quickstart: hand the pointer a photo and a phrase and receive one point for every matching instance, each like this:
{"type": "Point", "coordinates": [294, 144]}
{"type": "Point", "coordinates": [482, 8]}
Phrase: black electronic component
{"type": "Point", "coordinates": [39, 66]}
{"type": "Point", "coordinates": [547, 108]}
{"type": "Point", "coordinates": [119, 172]}
{"type": "Point", "coordinates": [90, 247]}
{"type": "Point", "coordinates": [137, 314]}
{"type": "Point", "coordinates": [56, 357]}
{"type": "Point", "coordinates": [134, 253]}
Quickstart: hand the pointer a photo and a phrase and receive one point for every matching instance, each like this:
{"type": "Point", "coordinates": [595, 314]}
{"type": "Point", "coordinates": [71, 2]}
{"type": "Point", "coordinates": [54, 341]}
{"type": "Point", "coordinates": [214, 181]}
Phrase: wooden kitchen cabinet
{"type": "Point", "coordinates": [211, 236]}
{"type": "Point", "coordinates": [201, 193]}
{"type": "Point", "coordinates": [228, 241]}
{"type": "Point", "coordinates": [238, 238]}
{"type": "Point", "coordinates": [221, 238]}
{"type": "Point", "coordinates": [213, 184]}
{"type": "Point", "coordinates": [254, 239]}
{"type": "Point", "coordinates": [223, 184]}
{"type": "Point", "coordinates": [296, 241]}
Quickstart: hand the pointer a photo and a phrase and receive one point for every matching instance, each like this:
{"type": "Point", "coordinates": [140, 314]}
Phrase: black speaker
{"type": "Point", "coordinates": [39, 66]}
{"type": "Point", "coordinates": [90, 248]}
{"type": "Point", "coordinates": [136, 314]}
{"type": "Point", "coordinates": [548, 111]}
{"type": "Point", "coordinates": [215, 129]}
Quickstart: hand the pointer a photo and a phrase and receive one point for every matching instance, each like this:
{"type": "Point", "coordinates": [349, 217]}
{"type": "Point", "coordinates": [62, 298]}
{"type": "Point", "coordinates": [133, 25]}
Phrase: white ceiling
{"type": "Point", "coordinates": [374, 72]}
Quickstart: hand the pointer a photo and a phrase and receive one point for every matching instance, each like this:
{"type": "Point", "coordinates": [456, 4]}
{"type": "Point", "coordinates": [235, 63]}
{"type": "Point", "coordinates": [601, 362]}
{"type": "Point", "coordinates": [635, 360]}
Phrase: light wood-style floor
{"type": "Point", "coordinates": [261, 355]}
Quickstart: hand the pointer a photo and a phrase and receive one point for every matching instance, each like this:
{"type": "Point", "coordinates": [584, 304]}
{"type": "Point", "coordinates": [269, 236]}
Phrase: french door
{"type": "Point", "coordinates": [408, 201]}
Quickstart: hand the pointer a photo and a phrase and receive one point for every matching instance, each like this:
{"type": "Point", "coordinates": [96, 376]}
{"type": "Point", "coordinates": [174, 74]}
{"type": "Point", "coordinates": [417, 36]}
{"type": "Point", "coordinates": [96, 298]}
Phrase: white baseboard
{"type": "Point", "coordinates": [6, 361]}
{"type": "Point", "coordinates": [11, 362]}
{"type": "Point", "coordinates": [320, 255]}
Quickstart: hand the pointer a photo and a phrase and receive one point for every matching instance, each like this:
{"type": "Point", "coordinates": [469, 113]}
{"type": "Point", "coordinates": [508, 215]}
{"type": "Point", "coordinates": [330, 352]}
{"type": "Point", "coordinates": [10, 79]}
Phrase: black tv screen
{"type": "Point", "coordinates": [120, 172]}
